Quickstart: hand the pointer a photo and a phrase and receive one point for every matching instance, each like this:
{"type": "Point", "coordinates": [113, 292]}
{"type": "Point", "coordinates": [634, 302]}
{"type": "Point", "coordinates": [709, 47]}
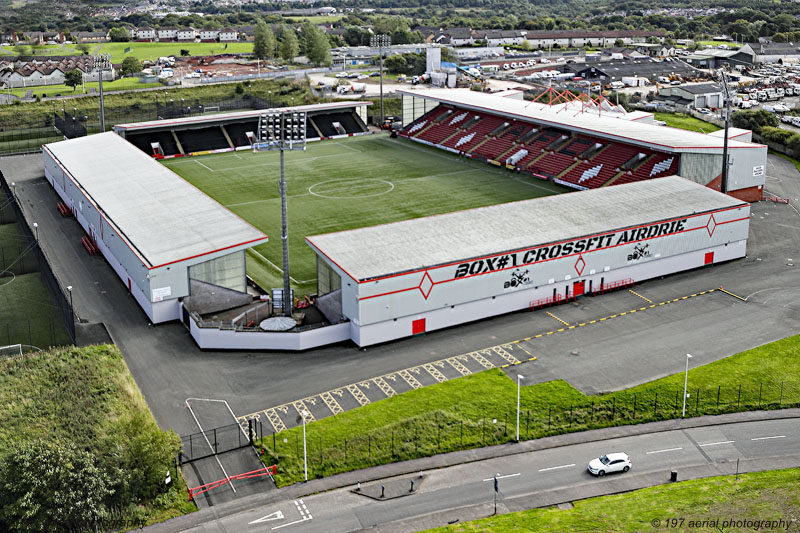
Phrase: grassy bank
{"type": "Point", "coordinates": [123, 84]}
{"type": "Point", "coordinates": [88, 397]}
{"type": "Point", "coordinates": [479, 410]}
{"type": "Point", "coordinates": [791, 159]}
{"type": "Point", "coordinates": [759, 496]}
{"type": "Point", "coordinates": [686, 122]}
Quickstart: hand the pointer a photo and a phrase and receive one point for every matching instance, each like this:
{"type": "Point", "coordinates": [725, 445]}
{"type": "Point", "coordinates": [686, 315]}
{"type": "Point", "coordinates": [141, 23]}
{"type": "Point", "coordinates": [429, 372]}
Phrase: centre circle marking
{"type": "Point", "coordinates": [356, 182]}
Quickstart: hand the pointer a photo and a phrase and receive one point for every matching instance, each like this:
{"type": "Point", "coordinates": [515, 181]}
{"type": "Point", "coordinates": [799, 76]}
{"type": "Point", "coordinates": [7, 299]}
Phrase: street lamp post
{"type": "Point", "coordinates": [71, 308]}
{"type": "Point", "coordinates": [36, 230]}
{"type": "Point", "coordinates": [283, 130]}
{"type": "Point", "coordinates": [685, 384]}
{"type": "Point", "coordinates": [102, 62]}
{"type": "Point", "coordinates": [380, 41]}
{"type": "Point", "coordinates": [305, 456]}
{"type": "Point", "coordinates": [723, 186]}
{"type": "Point", "coordinates": [519, 384]}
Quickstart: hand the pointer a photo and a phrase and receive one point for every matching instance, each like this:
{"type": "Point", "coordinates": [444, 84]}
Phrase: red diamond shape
{"type": "Point", "coordinates": [425, 285]}
{"type": "Point", "coordinates": [580, 264]}
{"type": "Point", "coordinates": [712, 224]}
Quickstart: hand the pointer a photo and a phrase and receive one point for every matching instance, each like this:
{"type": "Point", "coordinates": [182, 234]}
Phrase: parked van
{"type": "Point", "coordinates": [617, 85]}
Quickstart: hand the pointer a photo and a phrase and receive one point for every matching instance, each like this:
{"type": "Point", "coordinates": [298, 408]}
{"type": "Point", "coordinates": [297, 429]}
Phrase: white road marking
{"type": "Point", "coordinates": [715, 443]}
{"type": "Point", "coordinates": [230, 483]}
{"type": "Point", "coordinates": [767, 438]}
{"type": "Point", "coordinates": [503, 477]}
{"type": "Point", "coordinates": [305, 514]}
{"type": "Point", "coordinates": [277, 515]}
{"type": "Point", "coordinates": [556, 467]}
{"type": "Point", "coordinates": [662, 451]}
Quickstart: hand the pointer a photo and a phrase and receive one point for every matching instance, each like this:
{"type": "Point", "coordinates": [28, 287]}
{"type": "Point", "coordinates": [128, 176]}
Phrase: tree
{"type": "Point", "coordinates": [48, 485]}
{"type": "Point", "coordinates": [288, 46]}
{"type": "Point", "coordinates": [84, 48]}
{"type": "Point", "coordinates": [754, 120]}
{"type": "Point", "coordinates": [526, 45]}
{"type": "Point", "coordinates": [619, 43]}
{"type": "Point", "coordinates": [119, 34]}
{"type": "Point", "coordinates": [130, 66]}
{"type": "Point", "coordinates": [317, 46]}
{"type": "Point", "coordinates": [21, 49]}
{"type": "Point", "coordinates": [779, 38]}
{"type": "Point", "coordinates": [264, 43]}
{"type": "Point", "coordinates": [395, 64]}
{"type": "Point", "coordinates": [73, 78]}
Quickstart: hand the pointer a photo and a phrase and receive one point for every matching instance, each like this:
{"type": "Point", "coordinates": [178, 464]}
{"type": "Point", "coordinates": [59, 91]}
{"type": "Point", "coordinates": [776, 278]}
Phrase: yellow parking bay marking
{"type": "Point", "coordinates": [275, 420]}
{"type": "Point", "coordinates": [482, 360]}
{"type": "Point", "coordinates": [502, 352]}
{"type": "Point", "coordinates": [433, 371]}
{"type": "Point", "coordinates": [734, 295]}
{"type": "Point", "coordinates": [648, 300]}
{"type": "Point", "coordinates": [411, 380]}
{"type": "Point", "coordinates": [551, 315]}
{"type": "Point", "coordinates": [332, 404]}
{"type": "Point", "coordinates": [358, 394]}
{"type": "Point", "coordinates": [300, 406]}
{"type": "Point", "coordinates": [385, 387]}
{"type": "Point", "coordinates": [455, 363]}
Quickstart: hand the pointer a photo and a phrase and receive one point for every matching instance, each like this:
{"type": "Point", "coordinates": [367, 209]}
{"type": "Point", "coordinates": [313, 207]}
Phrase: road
{"type": "Point", "coordinates": [526, 480]}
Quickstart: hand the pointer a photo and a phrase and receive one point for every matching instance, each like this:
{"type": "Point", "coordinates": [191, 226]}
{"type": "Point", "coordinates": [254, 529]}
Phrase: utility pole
{"type": "Point", "coordinates": [381, 41]}
{"type": "Point", "coordinates": [283, 130]}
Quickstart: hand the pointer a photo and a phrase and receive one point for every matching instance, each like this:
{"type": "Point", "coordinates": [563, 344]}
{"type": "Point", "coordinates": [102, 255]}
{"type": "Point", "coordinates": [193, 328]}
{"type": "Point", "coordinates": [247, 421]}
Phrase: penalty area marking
{"type": "Point", "coordinates": [358, 181]}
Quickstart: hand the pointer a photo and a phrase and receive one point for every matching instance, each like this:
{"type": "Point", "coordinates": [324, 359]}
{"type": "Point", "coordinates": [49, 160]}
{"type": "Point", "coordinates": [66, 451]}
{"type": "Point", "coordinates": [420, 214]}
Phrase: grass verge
{"type": "Point", "coordinates": [789, 158]}
{"type": "Point", "coordinates": [685, 122]}
{"type": "Point", "coordinates": [699, 504]}
{"type": "Point", "coordinates": [96, 401]}
{"type": "Point", "coordinates": [479, 410]}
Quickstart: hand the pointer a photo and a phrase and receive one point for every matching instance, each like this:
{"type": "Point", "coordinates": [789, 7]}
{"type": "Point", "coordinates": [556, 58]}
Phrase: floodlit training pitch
{"type": "Point", "coordinates": [345, 184]}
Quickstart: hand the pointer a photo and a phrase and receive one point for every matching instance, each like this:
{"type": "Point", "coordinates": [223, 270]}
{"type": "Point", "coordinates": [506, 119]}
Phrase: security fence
{"type": "Point", "coordinates": [214, 441]}
{"type": "Point", "coordinates": [451, 429]}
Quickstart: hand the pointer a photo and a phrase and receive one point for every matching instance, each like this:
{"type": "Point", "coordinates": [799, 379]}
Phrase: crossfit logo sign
{"type": "Point", "coordinates": [640, 251]}
{"type": "Point", "coordinates": [565, 249]}
{"type": "Point", "coordinates": [518, 279]}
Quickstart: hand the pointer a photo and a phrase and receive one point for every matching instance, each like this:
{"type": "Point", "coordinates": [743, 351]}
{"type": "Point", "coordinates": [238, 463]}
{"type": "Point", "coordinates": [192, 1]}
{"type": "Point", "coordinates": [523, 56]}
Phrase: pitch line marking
{"type": "Point", "coordinates": [205, 167]}
{"type": "Point", "coordinates": [640, 296]}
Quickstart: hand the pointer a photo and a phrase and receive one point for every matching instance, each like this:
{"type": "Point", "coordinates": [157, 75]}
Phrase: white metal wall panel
{"type": "Point", "coordinates": [455, 284]}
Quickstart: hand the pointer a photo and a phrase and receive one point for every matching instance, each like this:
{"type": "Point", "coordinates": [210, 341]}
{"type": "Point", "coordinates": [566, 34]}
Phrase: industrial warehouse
{"type": "Point", "coordinates": [182, 254]}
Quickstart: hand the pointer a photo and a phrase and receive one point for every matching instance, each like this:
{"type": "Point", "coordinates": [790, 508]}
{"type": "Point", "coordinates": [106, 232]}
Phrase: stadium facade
{"type": "Point", "coordinates": [410, 277]}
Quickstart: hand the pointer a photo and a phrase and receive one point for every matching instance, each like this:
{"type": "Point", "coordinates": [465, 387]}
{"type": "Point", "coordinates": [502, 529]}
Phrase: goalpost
{"type": "Point", "coordinates": [10, 350]}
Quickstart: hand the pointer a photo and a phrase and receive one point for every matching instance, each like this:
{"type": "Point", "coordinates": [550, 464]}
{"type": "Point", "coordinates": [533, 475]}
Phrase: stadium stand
{"type": "Point", "coordinates": [143, 142]}
{"type": "Point", "coordinates": [238, 132]}
{"type": "Point", "coordinates": [577, 161]}
{"type": "Point", "coordinates": [326, 124]}
{"type": "Point", "coordinates": [201, 139]}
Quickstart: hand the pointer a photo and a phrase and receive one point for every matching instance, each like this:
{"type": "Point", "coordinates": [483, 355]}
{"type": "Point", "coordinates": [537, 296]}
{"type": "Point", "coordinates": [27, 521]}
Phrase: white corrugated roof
{"type": "Point", "coordinates": [163, 217]}
{"type": "Point", "coordinates": [606, 124]}
{"type": "Point", "coordinates": [234, 115]}
{"type": "Point", "coordinates": [420, 243]}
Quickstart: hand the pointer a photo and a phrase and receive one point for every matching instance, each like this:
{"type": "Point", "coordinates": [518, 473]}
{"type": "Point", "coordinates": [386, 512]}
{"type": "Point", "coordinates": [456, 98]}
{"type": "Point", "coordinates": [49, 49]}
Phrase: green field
{"type": "Point", "coordinates": [122, 84]}
{"type": "Point", "coordinates": [316, 19]}
{"type": "Point", "coordinates": [686, 122]}
{"type": "Point", "coordinates": [140, 50]}
{"type": "Point", "coordinates": [762, 496]}
{"type": "Point", "coordinates": [345, 184]}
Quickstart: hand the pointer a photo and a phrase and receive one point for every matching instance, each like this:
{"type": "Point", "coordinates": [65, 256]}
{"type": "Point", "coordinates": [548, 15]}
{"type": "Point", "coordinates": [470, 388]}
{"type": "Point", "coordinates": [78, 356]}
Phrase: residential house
{"type": "Point", "coordinates": [145, 34]}
{"type": "Point", "coordinates": [186, 34]}
{"type": "Point", "coordinates": [500, 37]}
{"type": "Point", "coordinates": [208, 35]}
{"type": "Point", "coordinates": [460, 36]}
{"type": "Point", "coordinates": [168, 33]}
{"type": "Point", "coordinates": [90, 37]}
{"type": "Point", "coordinates": [247, 33]}
{"type": "Point", "coordinates": [43, 37]}
{"type": "Point", "coordinates": [228, 35]}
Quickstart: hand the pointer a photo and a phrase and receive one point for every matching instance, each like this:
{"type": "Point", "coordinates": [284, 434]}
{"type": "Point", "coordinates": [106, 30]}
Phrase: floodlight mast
{"type": "Point", "coordinates": [283, 130]}
{"type": "Point", "coordinates": [380, 41]}
{"type": "Point", "coordinates": [102, 62]}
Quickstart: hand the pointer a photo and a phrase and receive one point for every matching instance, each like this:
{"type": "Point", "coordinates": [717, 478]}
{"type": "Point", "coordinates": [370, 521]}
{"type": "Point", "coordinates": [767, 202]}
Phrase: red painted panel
{"type": "Point", "coordinates": [418, 326]}
{"type": "Point", "coordinates": [579, 288]}
{"type": "Point", "coordinates": [709, 258]}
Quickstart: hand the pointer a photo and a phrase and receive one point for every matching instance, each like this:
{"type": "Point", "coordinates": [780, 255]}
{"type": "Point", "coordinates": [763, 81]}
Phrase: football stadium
{"type": "Point", "coordinates": [482, 204]}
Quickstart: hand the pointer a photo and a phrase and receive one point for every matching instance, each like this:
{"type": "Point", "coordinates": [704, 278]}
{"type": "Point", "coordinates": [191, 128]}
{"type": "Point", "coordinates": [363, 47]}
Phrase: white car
{"type": "Point", "coordinates": [342, 75]}
{"type": "Point", "coordinates": [607, 464]}
{"type": "Point", "coordinates": [545, 60]}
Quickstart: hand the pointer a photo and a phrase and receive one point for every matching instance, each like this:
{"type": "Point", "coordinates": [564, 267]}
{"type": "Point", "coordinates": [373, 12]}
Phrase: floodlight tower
{"type": "Point", "coordinates": [102, 62]}
{"type": "Point", "coordinates": [380, 42]}
{"type": "Point", "coordinates": [723, 186]}
{"type": "Point", "coordinates": [283, 130]}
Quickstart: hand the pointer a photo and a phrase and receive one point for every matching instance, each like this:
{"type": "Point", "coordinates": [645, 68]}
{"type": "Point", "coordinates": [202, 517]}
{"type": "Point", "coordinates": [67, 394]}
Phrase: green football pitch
{"type": "Point", "coordinates": [345, 184]}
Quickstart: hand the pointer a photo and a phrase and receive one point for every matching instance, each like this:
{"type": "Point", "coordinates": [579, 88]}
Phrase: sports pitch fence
{"type": "Point", "coordinates": [29, 258]}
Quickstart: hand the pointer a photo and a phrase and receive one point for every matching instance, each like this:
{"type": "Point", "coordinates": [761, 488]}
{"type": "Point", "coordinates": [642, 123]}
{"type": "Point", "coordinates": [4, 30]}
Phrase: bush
{"type": "Point", "coordinates": [778, 135]}
{"type": "Point", "coordinates": [754, 120]}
